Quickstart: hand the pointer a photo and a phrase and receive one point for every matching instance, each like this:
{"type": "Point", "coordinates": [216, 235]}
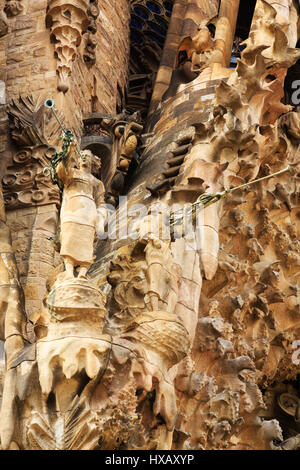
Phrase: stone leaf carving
{"type": "Point", "coordinates": [126, 136]}
{"type": "Point", "coordinates": [194, 54]}
{"type": "Point", "coordinates": [249, 308]}
{"type": "Point", "coordinates": [31, 129]}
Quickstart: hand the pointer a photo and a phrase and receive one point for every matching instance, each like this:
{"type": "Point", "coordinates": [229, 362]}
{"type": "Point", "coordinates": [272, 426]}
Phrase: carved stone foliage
{"type": "Point", "coordinates": [68, 21]}
{"type": "Point", "coordinates": [13, 7]}
{"type": "Point", "coordinates": [249, 312]}
{"type": "Point", "coordinates": [29, 123]}
{"type": "Point", "coordinates": [143, 65]}
{"type": "Point", "coordinates": [194, 54]}
{"type": "Point", "coordinates": [249, 309]}
{"type": "Point", "coordinates": [127, 135]}
{"type": "Point", "coordinates": [25, 184]}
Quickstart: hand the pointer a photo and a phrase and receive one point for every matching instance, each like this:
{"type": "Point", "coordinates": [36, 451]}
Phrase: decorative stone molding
{"type": "Point", "coordinates": [127, 131]}
{"type": "Point", "coordinates": [13, 7]}
{"type": "Point", "coordinates": [25, 184]}
{"type": "Point", "coordinates": [68, 21]}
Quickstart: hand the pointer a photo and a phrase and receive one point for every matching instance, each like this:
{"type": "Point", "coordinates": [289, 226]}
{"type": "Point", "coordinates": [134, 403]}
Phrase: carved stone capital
{"type": "Point", "coordinates": [68, 21]}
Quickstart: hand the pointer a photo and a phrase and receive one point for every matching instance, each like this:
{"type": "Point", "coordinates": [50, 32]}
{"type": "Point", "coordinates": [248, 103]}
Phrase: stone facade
{"type": "Point", "coordinates": [149, 212]}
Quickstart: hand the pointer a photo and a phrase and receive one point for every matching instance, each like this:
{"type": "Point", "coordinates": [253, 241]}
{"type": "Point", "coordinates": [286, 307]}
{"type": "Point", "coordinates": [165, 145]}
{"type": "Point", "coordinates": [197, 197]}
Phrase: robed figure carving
{"type": "Point", "coordinates": [83, 213]}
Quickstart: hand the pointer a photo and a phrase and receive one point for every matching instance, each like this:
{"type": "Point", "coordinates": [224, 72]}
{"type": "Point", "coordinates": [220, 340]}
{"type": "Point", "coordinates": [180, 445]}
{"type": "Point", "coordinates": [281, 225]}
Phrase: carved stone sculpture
{"type": "Point", "coordinates": [68, 22]}
{"type": "Point", "coordinates": [81, 216]}
{"type": "Point", "coordinates": [127, 131]}
{"type": "Point", "coordinates": [13, 7]}
{"type": "Point", "coordinates": [12, 313]}
{"type": "Point", "coordinates": [91, 42]}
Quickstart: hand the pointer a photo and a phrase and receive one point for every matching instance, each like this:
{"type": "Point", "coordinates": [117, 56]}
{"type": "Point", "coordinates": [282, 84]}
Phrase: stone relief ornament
{"type": "Point", "coordinates": [81, 213]}
{"type": "Point", "coordinates": [127, 131]}
{"type": "Point", "coordinates": [175, 342]}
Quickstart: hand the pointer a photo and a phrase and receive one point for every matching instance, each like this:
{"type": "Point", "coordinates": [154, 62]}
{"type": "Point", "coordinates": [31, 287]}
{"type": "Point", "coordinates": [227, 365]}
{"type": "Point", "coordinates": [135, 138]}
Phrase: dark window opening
{"type": "Point", "coordinates": [243, 25]}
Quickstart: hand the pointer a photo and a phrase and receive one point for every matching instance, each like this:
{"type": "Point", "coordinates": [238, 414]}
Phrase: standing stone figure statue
{"type": "Point", "coordinates": [83, 212]}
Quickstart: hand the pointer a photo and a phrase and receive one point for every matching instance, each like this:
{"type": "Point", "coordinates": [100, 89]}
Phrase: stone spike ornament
{"type": "Point", "coordinates": [68, 21]}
